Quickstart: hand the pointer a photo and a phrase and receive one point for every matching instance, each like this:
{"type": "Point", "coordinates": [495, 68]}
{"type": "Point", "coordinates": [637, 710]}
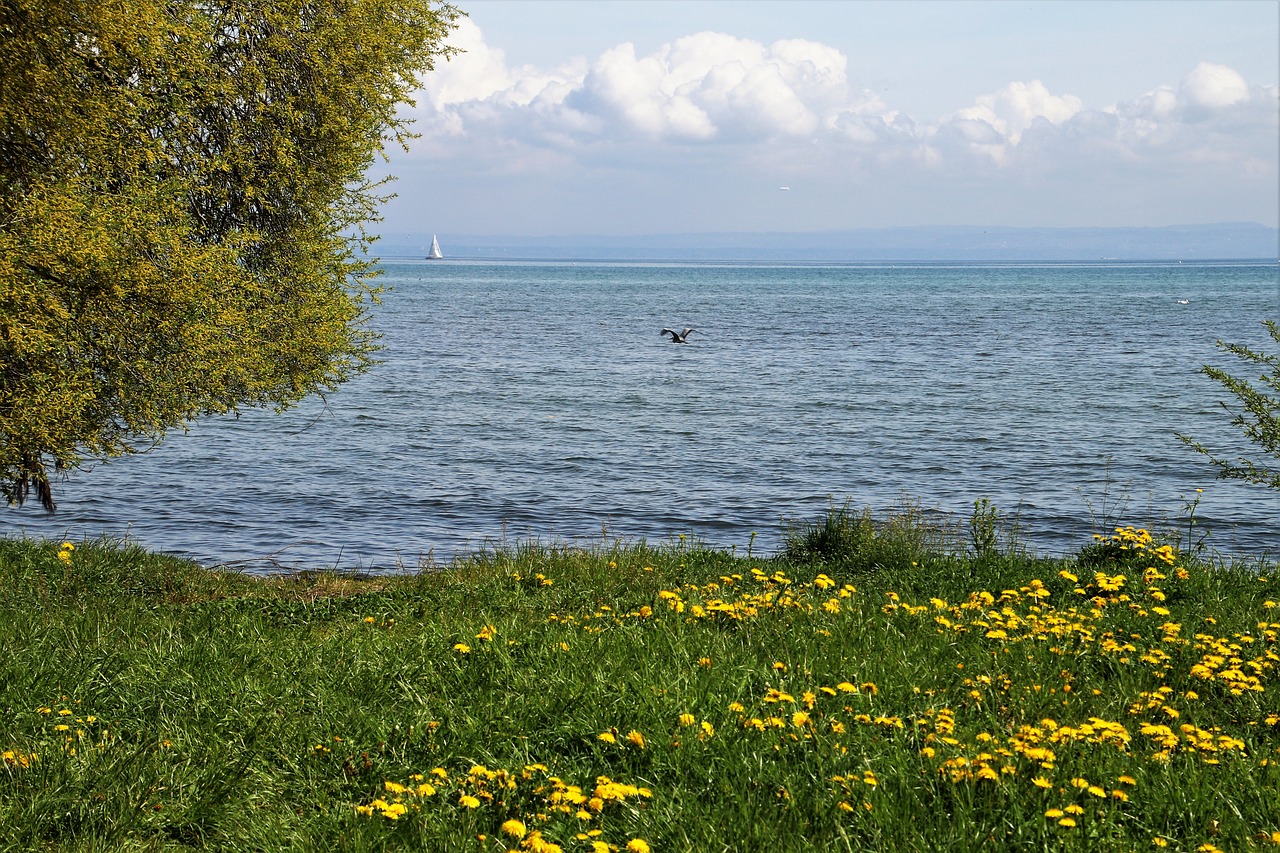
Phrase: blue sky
{"type": "Point", "coordinates": [621, 117]}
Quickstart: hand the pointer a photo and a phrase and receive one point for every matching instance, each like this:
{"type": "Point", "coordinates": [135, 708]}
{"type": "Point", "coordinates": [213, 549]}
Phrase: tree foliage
{"type": "Point", "coordinates": [1256, 413]}
{"type": "Point", "coordinates": [181, 196]}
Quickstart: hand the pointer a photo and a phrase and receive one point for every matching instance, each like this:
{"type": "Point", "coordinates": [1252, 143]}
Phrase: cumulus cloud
{"type": "Point", "coordinates": [701, 87]}
{"type": "Point", "coordinates": [697, 119]}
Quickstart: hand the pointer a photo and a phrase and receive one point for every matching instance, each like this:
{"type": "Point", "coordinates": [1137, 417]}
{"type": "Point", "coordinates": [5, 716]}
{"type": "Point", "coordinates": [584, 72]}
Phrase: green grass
{"type": "Point", "coordinates": [872, 688]}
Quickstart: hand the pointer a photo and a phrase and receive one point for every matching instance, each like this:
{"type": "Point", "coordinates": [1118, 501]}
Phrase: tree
{"type": "Point", "coordinates": [182, 195]}
{"type": "Point", "coordinates": [1258, 415]}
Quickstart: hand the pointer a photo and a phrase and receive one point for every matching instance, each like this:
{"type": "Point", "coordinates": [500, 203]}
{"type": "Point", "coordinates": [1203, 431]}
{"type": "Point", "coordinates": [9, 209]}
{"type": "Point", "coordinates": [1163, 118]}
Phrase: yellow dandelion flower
{"type": "Point", "coordinates": [708, 730]}
{"type": "Point", "coordinates": [1128, 780]}
{"type": "Point", "coordinates": [687, 719]}
{"type": "Point", "coordinates": [1041, 782]}
{"type": "Point", "coordinates": [1074, 809]}
{"type": "Point", "coordinates": [779, 666]}
{"type": "Point", "coordinates": [469, 801]}
{"type": "Point", "coordinates": [1054, 814]}
{"type": "Point", "coordinates": [846, 687]}
{"type": "Point", "coordinates": [1117, 794]}
{"type": "Point", "coordinates": [1208, 848]}
{"type": "Point", "coordinates": [599, 847]}
{"type": "Point", "coordinates": [514, 828]}
{"type": "Point", "coordinates": [606, 737]}
{"type": "Point", "coordinates": [461, 648]}
{"type": "Point", "coordinates": [704, 661]}
{"type": "Point", "coordinates": [844, 807]}
{"type": "Point", "coordinates": [369, 620]}
{"type": "Point", "coordinates": [1159, 842]}
{"type": "Point", "coordinates": [488, 632]}
{"type": "Point", "coordinates": [1068, 822]}
{"type": "Point", "coordinates": [799, 719]}
{"type": "Point", "coordinates": [637, 845]}
{"type": "Point", "coordinates": [636, 738]}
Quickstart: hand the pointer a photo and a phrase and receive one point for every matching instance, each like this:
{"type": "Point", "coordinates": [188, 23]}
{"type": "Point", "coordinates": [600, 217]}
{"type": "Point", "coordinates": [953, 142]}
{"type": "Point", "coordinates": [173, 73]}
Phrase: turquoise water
{"type": "Point", "coordinates": [538, 400]}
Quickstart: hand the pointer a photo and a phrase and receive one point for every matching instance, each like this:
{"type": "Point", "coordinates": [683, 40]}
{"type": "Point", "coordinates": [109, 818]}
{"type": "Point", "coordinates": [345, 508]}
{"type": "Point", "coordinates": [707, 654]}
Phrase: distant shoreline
{"type": "Point", "coordinates": [1199, 243]}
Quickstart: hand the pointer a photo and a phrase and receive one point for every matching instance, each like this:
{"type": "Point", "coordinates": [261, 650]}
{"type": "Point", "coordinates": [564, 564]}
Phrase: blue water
{"type": "Point", "coordinates": [522, 401]}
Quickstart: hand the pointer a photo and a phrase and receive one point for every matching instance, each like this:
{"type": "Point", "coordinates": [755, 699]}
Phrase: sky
{"type": "Point", "coordinates": [615, 117]}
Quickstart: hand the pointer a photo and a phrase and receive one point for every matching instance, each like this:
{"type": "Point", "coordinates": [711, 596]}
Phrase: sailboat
{"type": "Point", "coordinates": [434, 254]}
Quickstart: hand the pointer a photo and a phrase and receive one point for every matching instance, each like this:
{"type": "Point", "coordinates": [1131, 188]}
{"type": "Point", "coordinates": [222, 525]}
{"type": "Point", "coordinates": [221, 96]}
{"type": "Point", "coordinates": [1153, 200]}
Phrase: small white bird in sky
{"type": "Point", "coordinates": [784, 189]}
{"type": "Point", "coordinates": [677, 337]}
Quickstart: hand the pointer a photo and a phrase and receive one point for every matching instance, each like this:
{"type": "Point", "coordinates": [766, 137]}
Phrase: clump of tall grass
{"type": "Point", "coordinates": [854, 541]}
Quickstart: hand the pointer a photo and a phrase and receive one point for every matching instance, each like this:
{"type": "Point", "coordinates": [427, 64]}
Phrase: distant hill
{"type": "Point", "coordinates": [1222, 241]}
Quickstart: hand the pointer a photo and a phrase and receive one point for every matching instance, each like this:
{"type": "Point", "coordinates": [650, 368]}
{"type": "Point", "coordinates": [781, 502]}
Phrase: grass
{"type": "Point", "coordinates": [873, 687]}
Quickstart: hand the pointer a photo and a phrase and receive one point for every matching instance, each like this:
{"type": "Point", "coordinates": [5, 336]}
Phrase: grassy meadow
{"type": "Point", "coordinates": [881, 685]}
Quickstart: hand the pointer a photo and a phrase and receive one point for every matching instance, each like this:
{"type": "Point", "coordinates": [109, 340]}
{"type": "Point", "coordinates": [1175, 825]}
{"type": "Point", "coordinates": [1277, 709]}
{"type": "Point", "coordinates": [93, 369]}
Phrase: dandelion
{"type": "Point", "coordinates": [1041, 782]}
{"type": "Point", "coordinates": [606, 737]}
{"type": "Point", "coordinates": [799, 719]}
{"type": "Point", "coordinates": [1159, 842]}
{"type": "Point", "coordinates": [1127, 780]}
{"type": "Point", "coordinates": [636, 738]}
{"type": "Point", "coordinates": [1054, 814]}
{"type": "Point", "coordinates": [704, 661]}
{"type": "Point", "coordinates": [637, 845]}
{"type": "Point", "coordinates": [462, 648]}
{"type": "Point", "coordinates": [708, 730]}
{"type": "Point", "coordinates": [514, 828]}
{"type": "Point", "coordinates": [779, 666]}
{"type": "Point", "coordinates": [1068, 822]}
{"type": "Point", "coordinates": [468, 801]}
{"type": "Point", "coordinates": [487, 633]}
{"type": "Point", "coordinates": [687, 719]}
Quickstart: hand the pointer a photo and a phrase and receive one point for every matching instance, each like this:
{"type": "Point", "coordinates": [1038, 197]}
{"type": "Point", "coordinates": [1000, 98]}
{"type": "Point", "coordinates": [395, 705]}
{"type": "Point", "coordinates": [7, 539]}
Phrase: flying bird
{"type": "Point", "coordinates": [677, 337]}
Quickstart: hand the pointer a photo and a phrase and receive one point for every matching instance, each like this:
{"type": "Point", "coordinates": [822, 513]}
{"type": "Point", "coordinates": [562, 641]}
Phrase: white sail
{"type": "Point", "coordinates": [434, 254]}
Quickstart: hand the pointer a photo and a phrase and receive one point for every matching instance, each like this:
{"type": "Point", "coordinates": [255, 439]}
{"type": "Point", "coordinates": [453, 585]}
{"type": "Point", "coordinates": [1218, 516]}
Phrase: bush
{"type": "Point", "coordinates": [855, 541]}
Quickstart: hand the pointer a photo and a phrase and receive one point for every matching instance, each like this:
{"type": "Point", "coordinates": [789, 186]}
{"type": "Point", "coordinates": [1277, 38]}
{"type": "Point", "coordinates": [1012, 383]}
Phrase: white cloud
{"type": "Point", "coordinates": [1210, 87]}
{"type": "Point", "coordinates": [715, 110]}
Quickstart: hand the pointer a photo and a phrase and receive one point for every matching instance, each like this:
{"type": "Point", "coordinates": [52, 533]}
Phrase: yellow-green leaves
{"type": "Point", "coordinates": [180, 184]}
